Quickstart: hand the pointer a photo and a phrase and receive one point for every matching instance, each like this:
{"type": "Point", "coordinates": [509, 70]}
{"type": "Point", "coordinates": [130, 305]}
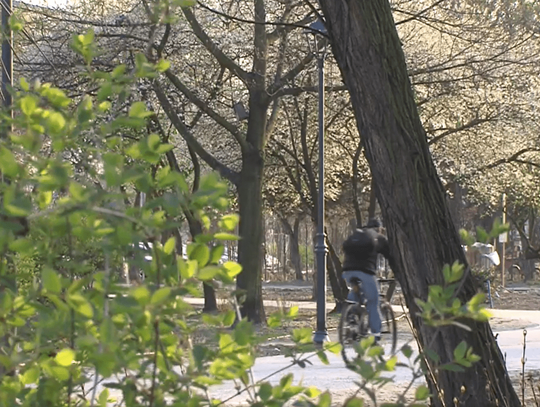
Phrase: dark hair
{"type": "Point", "coordinates": [374, 223]}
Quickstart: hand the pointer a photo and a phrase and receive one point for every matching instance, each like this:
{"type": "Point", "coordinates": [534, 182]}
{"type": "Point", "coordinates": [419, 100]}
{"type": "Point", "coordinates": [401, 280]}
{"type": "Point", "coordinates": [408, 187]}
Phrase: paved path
{"type": "Point", "coordinates": [341, 381]}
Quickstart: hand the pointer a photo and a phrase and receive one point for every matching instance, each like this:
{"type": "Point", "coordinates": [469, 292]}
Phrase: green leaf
{"type": "Point", "coordinates": [433, 355]}
{"type": "Point", "coordinates": [24, 84]}
{"type": "Point", "coordinates": [323, 358]}
{"type": "Point", "coordinates": [229, 318]}
{"type": "Point", "coordinates": [103, 398]}
{"type": "Point", "coordinates": [226, 342]}
{"type": "Point", "coordinates": [216, 254]}
{"type": "Point", "coordinates": [170, 245]}
{"type": "Point", "coordinates": [208, 273]}
{"type": "Point", "coordinates": [325, 400]}
{"type": "Point", "coordinates": [8, 164]}
{"type": "Point", "coordinates": [199, 252]}
{"type": "Point", "coordinates": [31, 375]}
{"type": "Point", "coordinates": [51, 281]}
{"type": "Point", "coordinates": [481, 234]}
{"type": "Point", "coordinates": [81, 305]}
{"type": "Point", "coordinates": [104, 92]}
{"type": "Point", "coordinates": [229, 222]}
{"type": "Point", "coordinates": [28, 104]}
{"type": "Point", "coordinates": [141, 294]}
{"type": "Point", "coordinates": [459, 352]}
{"type": "Point", "coordinates": [407, 351]}
{"type": "Point", "coordinates": [60, 373]}
{"type": "Point", "coordinates": [265, 391]}
{"type": "Point", "coordinates": [232, 268]}
{"type": "Point", "coordinates": [456, 272]}
{"type": "Point", "coordinates": [421, 393]}
{"type": "Point", "coordinates": [477, 300]}
{"type": "Point", "coordinates": [302, 335]}
{"type": "Point", "coordinates": [390, 364]}
{"type": "Point", "coordinates": [243, 332]}
{"type": "Point", "coordinates": [355, 402]}
{"type": "Point", "coordinates": [274, 320]}
{"type": "Point", "coordinates": [312, 392]}
{"type": "Point", "coordinates": [188, 268]}
{"type": "Point", "coordinates": [44, 199]}
{"type": "Point", "coordinates": [56, 123]}
{"type": "Point", "coordinates": [466, 237]}
{"type": "Point", "coordinates": [226, 236]}
{"type": "Point", "coordinates": [160, 296]}
{"type": "Point", "coordinates": [293, 312]}
{"type": "Point", "coordinates": [140, 111]}
{"type": "Point", "coordinates": [107, 331]}
{"type": "Point", "coordinates": [334, 347]}
{"type": "Point", "coordinates": [56, 97]}
{"type": "Point", "coordinates": [65, 357]}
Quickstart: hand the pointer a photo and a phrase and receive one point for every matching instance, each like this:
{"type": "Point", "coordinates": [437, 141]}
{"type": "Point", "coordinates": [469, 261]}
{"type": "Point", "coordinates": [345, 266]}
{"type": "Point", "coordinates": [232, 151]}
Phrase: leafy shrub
{"type": "Point", "coordinates": [71, 335]}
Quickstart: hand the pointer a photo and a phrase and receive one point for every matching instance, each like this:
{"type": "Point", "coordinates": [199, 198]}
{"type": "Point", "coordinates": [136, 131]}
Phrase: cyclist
{"type": "Point", "coordinates": [361, 250]}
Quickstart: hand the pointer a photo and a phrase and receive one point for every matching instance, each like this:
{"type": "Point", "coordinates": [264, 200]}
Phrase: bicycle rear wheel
{"type": "Point", "coordinates": [389, 326]}
{"type": "Point", "coordinates": [352, 329]}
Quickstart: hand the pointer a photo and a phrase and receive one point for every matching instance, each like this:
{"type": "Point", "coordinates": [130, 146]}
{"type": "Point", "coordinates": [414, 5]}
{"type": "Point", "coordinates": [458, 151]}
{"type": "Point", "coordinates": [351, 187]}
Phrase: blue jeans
{"type": "Point", "coordinates": [370, 288]}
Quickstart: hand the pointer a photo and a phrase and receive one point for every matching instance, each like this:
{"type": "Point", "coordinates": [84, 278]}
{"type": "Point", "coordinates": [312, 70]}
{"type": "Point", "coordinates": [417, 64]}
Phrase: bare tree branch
{"type": "Point", "coordinates": [202, 105]}
{"type": "Point", "coordinates": [472, 123]}
{"type": "Point", "coordinates": [416, 15]}
{"type": "Point", "coordinates": [298, 90]}
{"type": "Point", "coordinates": [514, 158]}
{"type": "Point", "coordinates": [282, 25]}
{"type": "Point", "coordinates": [186, 134]}
{"type": "Point", "coordinates": [223, 59]}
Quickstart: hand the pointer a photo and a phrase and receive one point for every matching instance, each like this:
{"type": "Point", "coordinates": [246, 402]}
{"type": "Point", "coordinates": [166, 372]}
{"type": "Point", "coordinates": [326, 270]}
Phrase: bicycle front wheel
{"type": "Point", "coordinates": [352, 328]}
{"type": "Point", "coordinates": [389, 326]}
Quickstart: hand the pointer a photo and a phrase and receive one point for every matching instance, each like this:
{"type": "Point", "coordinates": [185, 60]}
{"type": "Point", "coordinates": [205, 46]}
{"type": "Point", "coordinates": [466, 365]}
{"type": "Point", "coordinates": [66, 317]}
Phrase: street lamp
{"type": "Point", "coordinates": [318, 44]}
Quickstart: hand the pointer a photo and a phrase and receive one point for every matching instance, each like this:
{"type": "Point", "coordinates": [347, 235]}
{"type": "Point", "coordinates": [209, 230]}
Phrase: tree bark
{"type": "Point", "coordinates": [355, 198]}
{"type": "Point", "coordinates": [250, 206]}
{"type": "Point", "coordinates": [372, 201]}
{"type": "Point", "coordinates": [294, 246]}
{"type": "Point", "coordinates": [338, 270]}
{"type": "Point", "coordinates": [422, 235]}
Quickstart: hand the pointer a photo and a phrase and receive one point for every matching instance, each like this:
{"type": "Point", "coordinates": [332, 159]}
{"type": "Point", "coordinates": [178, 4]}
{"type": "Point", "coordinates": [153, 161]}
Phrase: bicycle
{"type": "Point", "coordinates": [353, 326]}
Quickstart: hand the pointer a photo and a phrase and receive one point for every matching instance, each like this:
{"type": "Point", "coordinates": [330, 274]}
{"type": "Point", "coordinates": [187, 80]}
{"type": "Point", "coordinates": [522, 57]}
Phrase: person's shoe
{"type": "Point", "coordinates": [377, 338]}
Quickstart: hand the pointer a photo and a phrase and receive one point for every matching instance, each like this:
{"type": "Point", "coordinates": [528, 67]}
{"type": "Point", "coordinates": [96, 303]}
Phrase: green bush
{"type": "Point", "coordinates": [70, 335]}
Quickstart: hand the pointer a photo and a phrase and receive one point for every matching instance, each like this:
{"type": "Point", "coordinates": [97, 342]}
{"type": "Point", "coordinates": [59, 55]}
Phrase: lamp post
{"type": "Point", "coordinates": [318, 45]}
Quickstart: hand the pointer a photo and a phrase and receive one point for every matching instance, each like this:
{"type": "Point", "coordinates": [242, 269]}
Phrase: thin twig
{"type": "Point", "coordinates": [523, 368]}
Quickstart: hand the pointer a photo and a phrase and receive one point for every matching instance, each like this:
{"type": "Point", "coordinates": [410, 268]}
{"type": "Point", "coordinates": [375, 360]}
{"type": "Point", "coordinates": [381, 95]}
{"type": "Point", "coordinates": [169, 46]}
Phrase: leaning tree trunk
{"type": "Point", "coordinates": [422, 235]}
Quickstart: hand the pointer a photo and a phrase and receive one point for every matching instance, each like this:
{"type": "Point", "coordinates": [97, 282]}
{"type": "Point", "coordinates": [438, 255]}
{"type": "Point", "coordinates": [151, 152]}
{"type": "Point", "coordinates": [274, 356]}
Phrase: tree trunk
{"type": "Point", "coordinates": [338, 269]}
{"type": "Point", "coordinates": [295, 250]}
{"type": "Point", "coordinates": [294, 247]}
{"type": "Point", "coordinates": [372, 201]}
{"type": "Point", "coordinates": [251, 216]}
{"type": "Point", "coordinates": [422, 235]}
{"type": "Point", "coordinates": [210, 300]}
{"type": "Point", "coordinates": [355, 187]}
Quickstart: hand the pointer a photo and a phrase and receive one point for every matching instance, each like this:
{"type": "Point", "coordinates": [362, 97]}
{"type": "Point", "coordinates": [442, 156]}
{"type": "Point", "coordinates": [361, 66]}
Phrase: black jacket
{"type": "Point", "coordinates": [361, 250]}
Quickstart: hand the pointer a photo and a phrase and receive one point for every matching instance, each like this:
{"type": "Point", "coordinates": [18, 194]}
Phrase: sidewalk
{"type": "Point", "coordinates": [528, 315]}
